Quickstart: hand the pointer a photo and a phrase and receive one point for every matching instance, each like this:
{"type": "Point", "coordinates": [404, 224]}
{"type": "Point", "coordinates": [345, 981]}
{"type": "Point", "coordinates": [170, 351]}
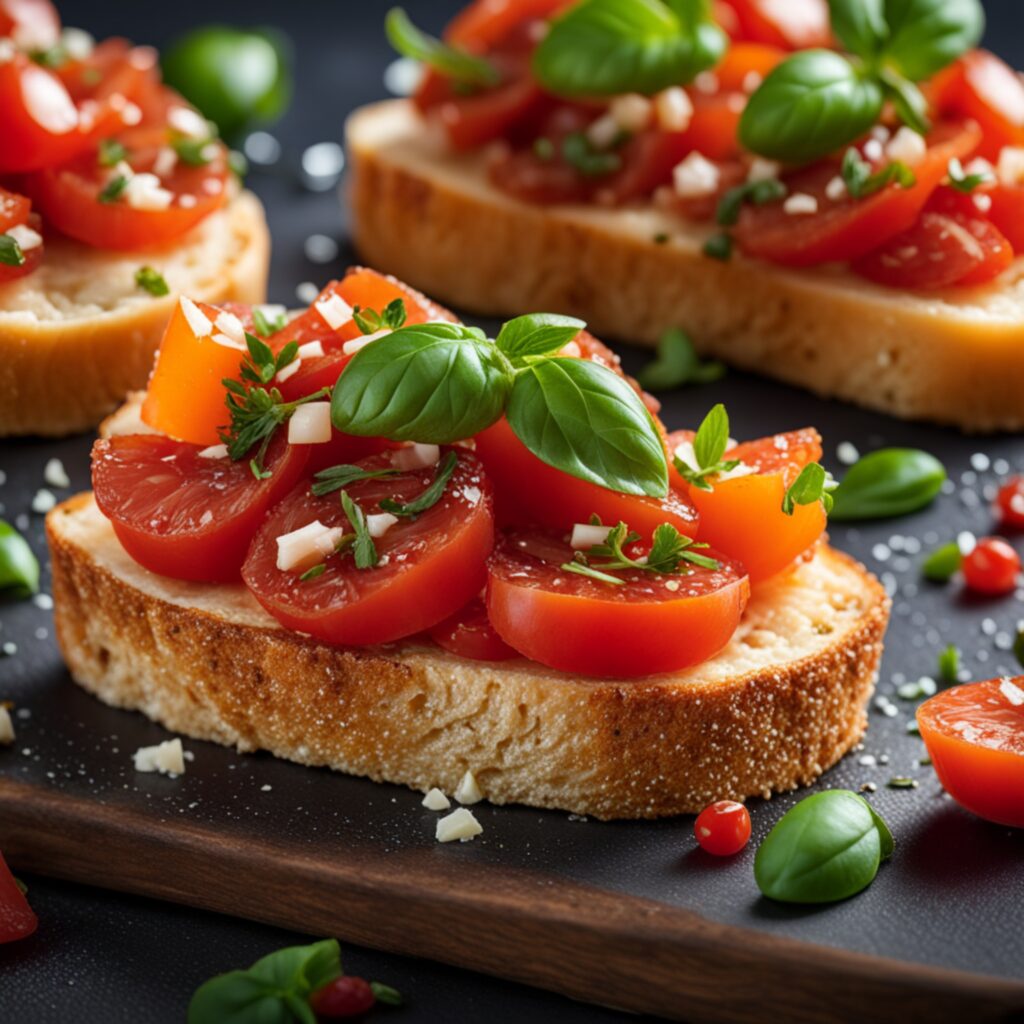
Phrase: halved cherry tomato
{"type": "Point", "coordinates": [1010, 502]}
{"type": "Point", "coordinates": [991, 566]}
{"type": "Point", "coordinates": [31, 25]}
{"type": "Point", "coordinates": [937, 251]}
{"type": "Point", "coordinates": [182, 515]}
{"type": "Point", "coordinates": [975, 737]}
{"type": "Point", "coordinates": [981, 86]}
{"type": "Point", "coordinates": [428, 568]}
{"type": "Point", "coordinates": [15, 211]}
{"type": "Point", "coordinates": [847, 228]}
{"type": "Point", "coordinates": [743, 516]}
{"type": "Point", "coordinates": [532, 493]}
{"type": "Point", "coordinates": [186, 395]}
{"type": "Point", "coordinates": [723, 828]}
{"type": "Point", "coordinates": [69, 197]}
{"type": "Point", "coordinates": [17, 919]}
{"type": "Point", "coordinates": [650, 624]}
{"type": "Point", "coordinates": [790, 24]}
{"type": "Point", "coordinates": [469, 634]}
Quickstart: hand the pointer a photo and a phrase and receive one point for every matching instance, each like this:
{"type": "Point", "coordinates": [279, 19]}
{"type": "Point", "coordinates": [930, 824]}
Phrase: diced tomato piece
{"type": "Point", "coordinates": [1010, 502]}
{"type": "Point", "coordinates": [469, 634]}
{"type": "Point", "coordinates": [1007, 212]}
{"type": "Point", "coordinates": [186, 395]}
{"type": "Point", "coordinates": [486, 23]}
{"type": "Point", "coordinates": [581, 625]}
{"type": "Point", "coordinates": [847, 228]}
{"type": "Point", "coordinates": [790, 24]}
{"type": "Point", "coordinates": [17, 919]}
{"type": "Point", "coordinates": [743, 516]}
{"type": "Point", "coordinates": [937, 251]}
{"type": "Point", "coordinates": [975, 737]}
{"type": "Point", "coordinates": [981, 86]}
{"type": "Point", "coordinates": [745, 64]}
{"type": "Point", "coordinates": [429, 566]}
{"type": "Point", "coordinates": [182, 515]}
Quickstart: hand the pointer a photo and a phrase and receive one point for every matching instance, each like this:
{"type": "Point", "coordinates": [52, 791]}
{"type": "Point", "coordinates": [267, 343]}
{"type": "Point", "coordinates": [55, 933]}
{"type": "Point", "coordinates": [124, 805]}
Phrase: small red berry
{"type": "Point", "coordinates": [991, 567]}
{"type": "Point", "coordinates": [1010, 502]}
{"type": "Point", "coordinates": [343, 998]}
{"type": "Point", "coordinates": [723, 828]}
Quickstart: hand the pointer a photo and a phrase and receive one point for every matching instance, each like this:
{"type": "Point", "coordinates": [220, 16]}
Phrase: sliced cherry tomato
{"type": "Point", "coordinates": [790, 24]}
{"type": "Point", "coordinates": [69, 196]}
{"type": "Point", "coordinates": [17, 919]}
{"type": "Point", "coordinates": [975, 737]}
{"type": "Point", "coordinates": [428, 568]}
{"type": "Point", "coordinates": [32, 25]}
{"type": "Point", "coordinates": [650, 624]}
{"type": "Point", "coordinates": [186, 395]}
{"type": "Point", "coordinates": [469, 634]}
{"type": "Point", "coordinates": [183, 515]}
{"type": "Point", "coordinates": [1007, 212]}
{"type": "Point", "coordinates": [743, 516]}
{"type": "Point", "coordinates": [745, 64]}
{"type": "Point", "coordinates": [15, 211]}
{"type": "Point", "coordinates": [991, 566]}
{"type": "Point", "coordinates": [1010, 502]}
{"type": "Point", "coordinates": [847, 228]}
{"type": "Point", "coordinates": [981, 86]}
{"type": "Point", "coordinates": [532, 493]}
{"type": "Point", "coordinates": [723, 828]}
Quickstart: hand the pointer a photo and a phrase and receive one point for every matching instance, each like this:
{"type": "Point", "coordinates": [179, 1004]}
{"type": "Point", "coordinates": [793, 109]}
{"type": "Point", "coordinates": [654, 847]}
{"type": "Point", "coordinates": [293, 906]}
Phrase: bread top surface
{"type": "Point", "coordinates": [394, 131]}
{"type": "Point", "coordinates": [797, 615]}
{"type": "Point", "coordinates": [78, 282]}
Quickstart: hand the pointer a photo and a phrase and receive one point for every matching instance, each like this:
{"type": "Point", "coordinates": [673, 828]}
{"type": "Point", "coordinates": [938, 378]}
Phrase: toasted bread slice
{"type": "Point", "coordinates": [432, 218]}
{"type": "Point", "coordinates": [783, 702]}
{"type": "Point", "coordinates": [78, 333]}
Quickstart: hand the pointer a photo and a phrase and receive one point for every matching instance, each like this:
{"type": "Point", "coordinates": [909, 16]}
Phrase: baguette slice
{"type": "Point", "coordinates": [432, 218]}
{"type": "Point", "coordinates": [782, 703]}
{"type": "Point", "coordinates": [78, 333]}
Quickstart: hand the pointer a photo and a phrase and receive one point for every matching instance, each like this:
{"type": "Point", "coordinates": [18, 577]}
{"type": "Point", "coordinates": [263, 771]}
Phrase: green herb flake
{"type": "Point", "coordinates": [11, 254]}
{"type": "Point", "coordinates": [962, 181]}
{"type": "Point", "coordinates": [19, 568]}
{"type": "Point", "coordinates": [902, 782]}
{"type": "Point", "coordinates": [579, 152]}
{"type": "Point", "coordinates": [111, 152]}
{"type": "Point", "coordinates": [314, 572]}
{"type": "Point", "coordinates": [942, 564]}
{"type": "Point", "coordinates": [760, 193]}
{"type": "Point", "coordinates": [430, 497]}
{"type": "Point", "coordinates": [678, 364]}
{"type": "Point", "coordinates": [195, 152]}
{"type": "Point", "coordinates": [1018, 646]}
{"type": "Point", "coordinates": [364, 551]}
{"type": "Point", "coordinates": [861, 182]}
{"type": "Point", "coordinates": [113, 189]}
{"type": "Point", "coordinates": [949, 665]}
{"type": "Point", "coordinates": [338, 477]}
{"type": "Point", "coordinates": [386, 994]}
{"type": "Point", "coordinates": [151, 281]}
{"type": "Point", "coordinates": [719, 247]}
{"type": "Point", "coordinates": [661, 238]}
{"type": "Point", "coordinates": [449, 61]}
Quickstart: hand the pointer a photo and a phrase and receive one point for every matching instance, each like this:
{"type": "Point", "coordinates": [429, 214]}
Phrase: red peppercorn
{"type": "Point", "coordinates": [991, 567]}
{"type": "Point", "coordinates": [723, 828]}
{"type": "Point", "coordinates": [343, 998]}
{"type": "Point", "coordinates": [1010, 503]}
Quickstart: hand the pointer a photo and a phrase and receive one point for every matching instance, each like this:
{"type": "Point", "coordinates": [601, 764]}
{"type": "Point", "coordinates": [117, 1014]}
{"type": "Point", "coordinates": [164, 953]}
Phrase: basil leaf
{"type": "Point", "coordinates": [607, 47]}
{"type": "Point", "coordinates": [585, 420]}
{"type": "Point", "coordinates": [926, 35]}
{"type": "Point", "coordinates": [386, 994]}
{"type": "Point", "coordinates": [810, 486]}
{"type": "Point", "coordinates": [275, 990]}
{"type": "Point", "coordinates": [433, 383]}
{"type": "Point", "coordinates": [910, 103]}
{"type": "Point", "coordinates": [447, 60]}
{"type": "Point", "coordinates": [10, 252]}
{"type": "Point", "coordinates": [712, 437]}
{"type": "Point", "coordinates": [678, 364]}
{"type": "Point", "coordinates": [860, 25]}
{"type": "Point", "coordinates": [888, 844]}
{"type": "Point", "coordinates": [19, 568]}
{"type": "Point", "coordinates": [943, 563]}
{"type": "Point", "coordinates": [826, 848]}
{"type": "Point", "coordinates": [888, 482]}
{"type": "Point", "coordinates": [537, 334]}
{"type": "Point", "coordinates": [808, 106]}
{"type": "Point", "coordinates": [111, 192]}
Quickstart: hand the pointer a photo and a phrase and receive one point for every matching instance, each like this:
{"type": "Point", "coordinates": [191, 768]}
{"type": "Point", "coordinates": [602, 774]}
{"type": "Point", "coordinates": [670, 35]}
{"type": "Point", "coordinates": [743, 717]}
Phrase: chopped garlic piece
{"type": "Point", "coordinates": [435, 800]}
{"type": "Point", "coordinates": [335, 311]}
{"type": "Point", "coordinates": [673, 109]}
{"type": "Point", "coordinates": [416, 456]}
{"type": "Point", "coordinates": [696, 176]}
{"type": "Point", "coordinates": [460, 824]}
{"type": "Point", "coordinates": [379, 523]}
{"type": "Point", "coordinates": [310, 424]}
{"type": "Point", "coordinates": [468, 791]}
{"type": "Point", "coordinates": [215, 451]}
{"type": "Point", "coordinates": [168, 758]}
{"type": "Point", "coordinates": [586, 535]}
{"type": "Point", "coordinates": [906, 146]}
{"type": "Point", "coordinates": [1012, 692]}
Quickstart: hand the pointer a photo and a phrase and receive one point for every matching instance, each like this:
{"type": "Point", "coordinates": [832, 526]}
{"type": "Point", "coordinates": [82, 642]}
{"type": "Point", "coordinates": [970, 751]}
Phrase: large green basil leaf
{"type": "Point", "coordinates": [606, 47]}
{"type": "Point", "coordinates": [888, 482]}
{"type": "Point", "coordinates": [826, 848]}
{"type": "Point", "coordinates": [19, 569]}
{"type": "Point", "coordinates": [434, 383]}
{"type": "Point", "coordinates": [926, 35]}
{"type": "Point", "coordinates": [585, 420]}
{"type": "Point", "coordinates": [810, 105]}
{"type": "Point", "coordinates": [860, 25]}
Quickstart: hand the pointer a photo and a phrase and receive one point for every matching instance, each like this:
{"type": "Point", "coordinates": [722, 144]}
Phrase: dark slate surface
{"type": "Point", "coordinates": [953, 895]}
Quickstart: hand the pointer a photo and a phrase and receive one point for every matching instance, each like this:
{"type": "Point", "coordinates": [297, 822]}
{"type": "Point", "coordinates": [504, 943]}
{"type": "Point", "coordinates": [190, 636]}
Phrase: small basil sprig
{"type": "Point", "coordinates": [943, 563]}
{"type": "Point", "coordinates": [449, 61]}
{"type": "Point", "coordinates": [678, 364]}
{"type": "Point", "coordinates": [813, 484]}
{"type": "Point", "coordinates": [440, 383]}
{"type": "Point", "coordinates": [817, 101]}
{"type": "Point", "coordinates": [607, 47]}
{"type": "Point", "coordinates": [860, 181]}
{"type": "Point", "coordinates": [888, 482]}
{"type": "Point", "coordinates": [19, 569]}
{"type": "Point", "coordinates": [275, 989]}
{"type": "Point", "coordinates": [826, 848]}
{"type": "Point", "coordinates": [10, 252]}
{"type": "Point", "coordinates": [709, 444]}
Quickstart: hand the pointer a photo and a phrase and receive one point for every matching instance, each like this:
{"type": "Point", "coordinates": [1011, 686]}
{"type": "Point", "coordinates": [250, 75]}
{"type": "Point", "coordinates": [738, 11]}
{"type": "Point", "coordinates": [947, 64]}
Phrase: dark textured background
{"type": "Point", "coordinates": [953, 896]}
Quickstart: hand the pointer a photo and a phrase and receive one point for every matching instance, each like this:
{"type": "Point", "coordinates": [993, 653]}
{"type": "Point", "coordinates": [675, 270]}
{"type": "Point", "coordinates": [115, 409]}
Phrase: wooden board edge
{"type": "Point", "coordinates": [583, 942]}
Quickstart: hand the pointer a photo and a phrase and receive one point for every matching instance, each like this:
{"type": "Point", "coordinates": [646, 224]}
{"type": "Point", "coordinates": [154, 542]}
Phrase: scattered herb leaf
{"type": "Point", "coordinates": [152, 281]}
{"type": "Point", "coordinates": [678, 364]}
{"type": "Point", "coordinates": [943, 563]}
{"type": "Point", "coordinates": [430, 497]}
{"type": "Point", "coordinates": [363, 549]}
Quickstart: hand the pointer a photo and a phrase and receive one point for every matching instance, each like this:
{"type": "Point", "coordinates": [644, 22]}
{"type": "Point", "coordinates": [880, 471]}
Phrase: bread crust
{"type": "Point", "coordinates": [62, 374]}
{"type": "Point", "coordinates": [779, 706]}
{"type": "Point", "coordinates": [432, 218]}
